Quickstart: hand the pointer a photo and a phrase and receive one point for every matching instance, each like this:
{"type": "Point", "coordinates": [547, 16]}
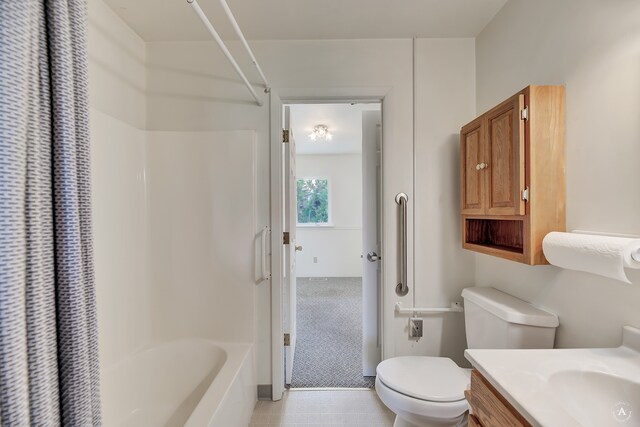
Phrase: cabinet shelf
{"type": "Point", "coordinates": [497, 234]}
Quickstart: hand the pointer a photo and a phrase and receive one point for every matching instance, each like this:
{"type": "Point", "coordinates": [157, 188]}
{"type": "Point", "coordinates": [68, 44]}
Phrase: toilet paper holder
{"type": "Point", "coordinates": [635, 255]}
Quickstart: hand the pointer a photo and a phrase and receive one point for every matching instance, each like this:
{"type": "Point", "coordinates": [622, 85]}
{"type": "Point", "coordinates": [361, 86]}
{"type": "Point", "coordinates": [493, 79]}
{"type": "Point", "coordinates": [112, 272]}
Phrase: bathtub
{"type": "Point", "coordinates": [191, 382]}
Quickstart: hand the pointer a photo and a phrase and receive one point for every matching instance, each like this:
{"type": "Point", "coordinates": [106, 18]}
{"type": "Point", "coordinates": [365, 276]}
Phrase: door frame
{"type": "Point", "coordinates": [301, 96]}
{"type": "Point", "coordinates": [289, 252]}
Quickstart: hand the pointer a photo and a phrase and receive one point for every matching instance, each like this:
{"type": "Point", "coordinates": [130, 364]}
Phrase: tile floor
{"type": "Point", "coordinates": [320, 408]}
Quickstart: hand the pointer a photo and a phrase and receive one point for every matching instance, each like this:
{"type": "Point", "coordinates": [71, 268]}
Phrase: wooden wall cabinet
{"type": "Point", "coordinates": [488, 407]}
{"type": "Point", "coordinates": [512, 175]}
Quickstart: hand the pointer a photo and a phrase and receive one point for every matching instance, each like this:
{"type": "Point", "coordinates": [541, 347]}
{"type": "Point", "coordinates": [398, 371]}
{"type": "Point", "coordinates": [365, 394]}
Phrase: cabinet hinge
{"type": "Point", "coordinates": [285, 135]}
{"type": "Point", "coordinates": [524, 113]}
{"type": "Point", "coordinates": [525, 194]}
{"type": "Point", "coordinates": [285, 238]}
{"type": "Point", "coordinates": [287, 340]}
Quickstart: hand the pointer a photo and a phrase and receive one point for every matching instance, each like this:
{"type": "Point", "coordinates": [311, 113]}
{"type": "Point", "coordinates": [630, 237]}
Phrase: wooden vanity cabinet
{"type": "Point", "coordinates": [488, 407]}
{"type": "Point", "coordinates": [512, 175]}
{"type": "Point", "coordinates": [473, 421]}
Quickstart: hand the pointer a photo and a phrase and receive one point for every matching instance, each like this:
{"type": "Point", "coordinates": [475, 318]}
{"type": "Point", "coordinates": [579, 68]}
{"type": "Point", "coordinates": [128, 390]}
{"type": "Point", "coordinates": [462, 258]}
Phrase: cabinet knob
{"type": "Point", "coordinates": [478, 167]}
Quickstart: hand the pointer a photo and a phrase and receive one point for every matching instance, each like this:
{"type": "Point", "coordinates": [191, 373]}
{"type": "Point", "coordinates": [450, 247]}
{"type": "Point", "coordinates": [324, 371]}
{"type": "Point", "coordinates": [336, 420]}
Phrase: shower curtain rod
{"type": "Point", "coordinates": [196, 7]}
{"type": "Point", "coordinates": [236, 27]}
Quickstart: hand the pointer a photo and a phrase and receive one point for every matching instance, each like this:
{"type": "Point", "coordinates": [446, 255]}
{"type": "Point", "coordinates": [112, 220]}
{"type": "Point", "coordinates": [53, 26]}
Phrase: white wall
{"type": "Point", "coordinates": [191, 87]}
{"type": "Point", "coordinates": [202, 234]}
{"type": "Point", "coordinates": [338, 247]}
{"type": "Point", "coordinates": [117, 117]}
{"type": "Point", "coordinates": [444, 102]}
{"type": "Point", "coordinates": [117, 73]}
{"type": "Point", "coordinates": [593, 47]}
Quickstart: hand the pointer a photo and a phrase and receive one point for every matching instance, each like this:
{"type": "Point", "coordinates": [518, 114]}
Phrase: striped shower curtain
{"type": "Point", "coordinates": [48, 337]}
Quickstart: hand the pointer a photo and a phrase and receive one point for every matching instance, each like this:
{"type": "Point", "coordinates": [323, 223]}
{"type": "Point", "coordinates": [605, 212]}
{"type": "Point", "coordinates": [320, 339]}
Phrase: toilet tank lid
{"type": "Point", "coordinates": [509, 308]}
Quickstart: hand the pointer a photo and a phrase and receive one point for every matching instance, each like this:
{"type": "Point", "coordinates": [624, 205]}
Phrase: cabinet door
{"type": "Point", "coordinates": [471, 156]}
{"type": "Point", "coordinates": [504, 165]}
{"type": "Point", "coordinates": [473, 421]}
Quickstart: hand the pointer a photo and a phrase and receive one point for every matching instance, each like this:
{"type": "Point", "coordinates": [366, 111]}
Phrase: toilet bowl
{"type": "Point", "coordinates": [423, 391]}
{"type": "Point", "coordinates": [429, 391]}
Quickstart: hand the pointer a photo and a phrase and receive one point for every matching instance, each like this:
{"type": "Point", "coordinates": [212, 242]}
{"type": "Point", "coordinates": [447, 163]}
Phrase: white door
{"type": "Point", "coordinates": [290, 249]}
{"type": "Point", "coordinates": [371, 236]}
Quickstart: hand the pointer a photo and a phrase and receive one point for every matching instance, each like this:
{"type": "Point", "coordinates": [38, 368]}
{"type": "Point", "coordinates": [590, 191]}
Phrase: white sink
{"type": "Point", "coordinates": [597, 398]}
{"type": "Point", "coordinates": [569, 387]}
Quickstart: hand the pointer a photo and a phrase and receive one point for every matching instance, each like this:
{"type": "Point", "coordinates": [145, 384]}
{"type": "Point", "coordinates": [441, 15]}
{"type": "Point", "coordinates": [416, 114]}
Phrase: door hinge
{"type": "Point", "coordinates": [285, 135]}
{"type": "Point", "coordinates": [285, 238]}
{"type": "Point", "coordinates": [287, 340]}
{"type": "Point", "coordinates": [525, 194]}
{"type": "Point", "coordinates": [524, 113]}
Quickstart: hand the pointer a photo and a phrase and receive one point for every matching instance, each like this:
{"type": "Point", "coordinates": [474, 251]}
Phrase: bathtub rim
{"type": "Point", "coordinates": [238, 354]}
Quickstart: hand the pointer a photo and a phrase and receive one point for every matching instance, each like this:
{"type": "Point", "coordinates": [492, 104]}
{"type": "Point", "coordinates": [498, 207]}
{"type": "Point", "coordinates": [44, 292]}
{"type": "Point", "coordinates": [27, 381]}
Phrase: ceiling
{"type": "Point", "coordinates": [173, 20]}
{"type": "Point", "coordinates": [344, 122]}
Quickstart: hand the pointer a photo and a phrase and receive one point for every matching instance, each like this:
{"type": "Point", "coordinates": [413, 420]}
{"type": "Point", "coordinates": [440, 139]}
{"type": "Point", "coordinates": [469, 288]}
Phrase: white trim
{"type": "Point", "coordinates": [277, 326]}
{"type": "Point", "coordinates": [295, 390]}
{"type": "Point", "coordinates": [305, 96]}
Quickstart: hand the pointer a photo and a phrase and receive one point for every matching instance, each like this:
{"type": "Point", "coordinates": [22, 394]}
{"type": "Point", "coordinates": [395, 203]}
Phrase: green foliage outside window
{"type": "Point", "coordinates": [313, 200]}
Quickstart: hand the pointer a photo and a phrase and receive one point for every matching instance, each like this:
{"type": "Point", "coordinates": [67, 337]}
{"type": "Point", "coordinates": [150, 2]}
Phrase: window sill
{"type": "Point", "coordinates": [315, 225]}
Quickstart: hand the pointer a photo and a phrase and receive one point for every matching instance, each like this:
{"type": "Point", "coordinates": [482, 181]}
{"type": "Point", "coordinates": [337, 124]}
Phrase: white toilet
{"type": "Point", "coordinates": [429, 391]}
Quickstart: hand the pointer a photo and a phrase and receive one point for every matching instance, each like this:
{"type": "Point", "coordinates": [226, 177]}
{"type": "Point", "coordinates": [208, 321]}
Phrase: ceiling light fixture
{"type": "Point", "coordinates": [320, 132]}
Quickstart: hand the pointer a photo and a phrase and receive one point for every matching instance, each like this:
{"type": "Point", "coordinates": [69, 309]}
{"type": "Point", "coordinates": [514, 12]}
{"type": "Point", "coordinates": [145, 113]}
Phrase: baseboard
{"type": "Point", "coordinates": [265, 392]}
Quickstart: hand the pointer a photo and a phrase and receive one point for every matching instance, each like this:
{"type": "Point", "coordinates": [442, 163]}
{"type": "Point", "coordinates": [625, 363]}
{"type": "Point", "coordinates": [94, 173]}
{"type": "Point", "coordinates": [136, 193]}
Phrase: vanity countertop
{"type": "Point", "coordinates": [568, 387]}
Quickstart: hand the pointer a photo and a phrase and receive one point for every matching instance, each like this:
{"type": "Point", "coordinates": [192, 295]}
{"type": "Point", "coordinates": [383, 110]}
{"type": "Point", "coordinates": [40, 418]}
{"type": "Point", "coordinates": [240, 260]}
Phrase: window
{"type": "Point", "coordinates": [313, 201]}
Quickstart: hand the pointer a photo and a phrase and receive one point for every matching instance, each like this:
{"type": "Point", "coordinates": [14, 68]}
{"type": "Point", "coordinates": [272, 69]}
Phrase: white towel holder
{"type": "Point", "coordinates": [456, 307]}
{"type": "Point", "coordinates": [266, 275]}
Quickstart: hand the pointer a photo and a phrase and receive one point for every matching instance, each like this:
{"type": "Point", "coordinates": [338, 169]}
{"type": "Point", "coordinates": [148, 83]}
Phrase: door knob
{"type": "Point", "coordinates": [299, 248]}
{"type": "Point", "coordinates": [372, 257]}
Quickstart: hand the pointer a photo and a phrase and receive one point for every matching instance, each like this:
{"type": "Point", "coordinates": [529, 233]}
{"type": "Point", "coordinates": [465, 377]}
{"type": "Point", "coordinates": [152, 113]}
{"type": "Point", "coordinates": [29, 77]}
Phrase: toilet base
{"type": "Point", "coordinates": [400, 422]}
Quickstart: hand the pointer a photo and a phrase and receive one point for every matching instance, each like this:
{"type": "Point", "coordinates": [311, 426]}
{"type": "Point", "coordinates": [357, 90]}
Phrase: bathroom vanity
{"type": "Point", "coordinates": [488, 407]}
{"type": "Point", "coordinates": [578, 387]}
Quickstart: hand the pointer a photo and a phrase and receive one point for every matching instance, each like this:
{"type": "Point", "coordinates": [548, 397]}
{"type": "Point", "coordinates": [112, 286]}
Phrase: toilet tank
{"type": "Point", "coordinates": [497, 320]}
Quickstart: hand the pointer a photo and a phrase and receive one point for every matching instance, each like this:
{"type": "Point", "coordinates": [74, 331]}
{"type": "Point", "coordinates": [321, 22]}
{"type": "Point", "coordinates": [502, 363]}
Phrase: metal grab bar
{"type": "Point", "coordinates": [402, 288]}
{"type": "Point", "coordinates": [456, 307]}
{"type": "Point", "coordinates": [263, 237]}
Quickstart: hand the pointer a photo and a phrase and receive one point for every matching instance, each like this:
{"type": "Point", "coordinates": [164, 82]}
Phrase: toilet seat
{"type": "Point", "coordinates": [409, 407]}
{"type": "Point", "coordinates": [433, 379]}
{"type": "Point", "coordinates": [431, 387]}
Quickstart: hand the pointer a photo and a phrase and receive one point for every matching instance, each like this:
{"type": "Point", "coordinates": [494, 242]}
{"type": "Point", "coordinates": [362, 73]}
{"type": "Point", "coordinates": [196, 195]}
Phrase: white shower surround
{"type": "Point", "coordinates": [167, 277]}
{"type": "Point", "coordinates": [191, 382]}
